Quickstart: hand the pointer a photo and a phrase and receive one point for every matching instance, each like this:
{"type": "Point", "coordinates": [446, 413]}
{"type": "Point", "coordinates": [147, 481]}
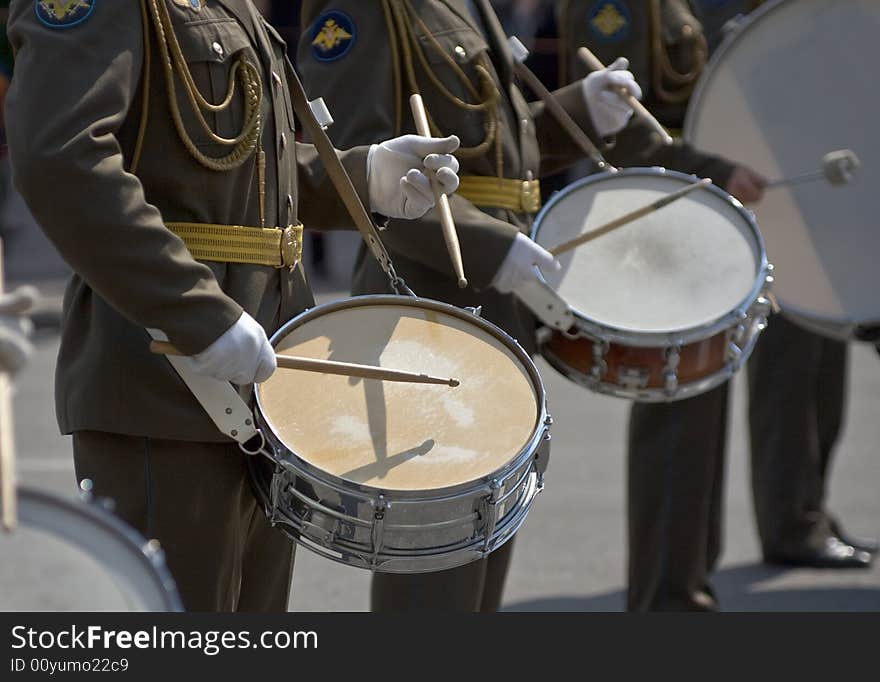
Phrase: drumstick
{"type": "Point", "coordinates": [594, 64]}
{"type": "Point", "coordinates": [450, 235]}
{"type": "Point", "coordinates": [520, 54]}
{"type": "Point", "coordinates": [9, 512]}
{"type": "Point", "coordinates": [347, 369]}
{"type": "Point", "coordinates": [628, 218]}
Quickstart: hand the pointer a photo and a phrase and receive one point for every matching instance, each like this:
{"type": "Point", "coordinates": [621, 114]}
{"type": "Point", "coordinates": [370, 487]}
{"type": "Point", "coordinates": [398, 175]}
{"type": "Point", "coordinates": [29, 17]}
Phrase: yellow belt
{"type": "Point", "coordinates": [235, 244]}
{"type": "Point", "coordinates": [519, 196]}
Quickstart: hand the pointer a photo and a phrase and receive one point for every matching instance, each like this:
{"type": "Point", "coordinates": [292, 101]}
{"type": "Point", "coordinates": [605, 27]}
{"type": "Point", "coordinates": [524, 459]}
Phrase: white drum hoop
{"type": "Point", "coordinates": [340, 511]}
{"type": "Point", "coordinates": [136, 566]}
{"type": "Point", "coordinates": [680, 337]}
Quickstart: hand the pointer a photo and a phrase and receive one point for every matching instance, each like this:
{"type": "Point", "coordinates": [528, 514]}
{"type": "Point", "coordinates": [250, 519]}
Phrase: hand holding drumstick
{"type": "Point", "coordinates": [592, 62]}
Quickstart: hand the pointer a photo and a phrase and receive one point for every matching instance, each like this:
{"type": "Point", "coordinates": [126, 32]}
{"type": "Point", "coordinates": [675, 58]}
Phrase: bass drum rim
{"type": "Point", "coordinates": [526, 452]}
{"type": "Point", "coordinates": [672, 337]}
{"type": "Point", "coordinates": [136, 566]}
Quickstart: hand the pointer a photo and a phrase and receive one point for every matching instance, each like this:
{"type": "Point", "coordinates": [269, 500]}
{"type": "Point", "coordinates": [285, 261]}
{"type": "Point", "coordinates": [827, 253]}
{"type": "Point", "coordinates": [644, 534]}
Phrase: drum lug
{"type": "Point", "coordinates": [670, 371]}
{"type": "Point", "coordinates": [633, 377]}
{"type": "Point", "coordinates": [489, 511]}
{"type": "Point", "coordinates": [762, 307]}
{"type": "Point", "coordinates": [276, 491]}
{"type": "Point", "coordinates": [734, 354]}
{"type": "Point", "coordinates": [600, 367]}
{"type": "Point", "coordinates": [476, 311]}
{"type": "Point", "coordinates": [380, 507]}
{"type": "Point", "coordinates": [542, 456]}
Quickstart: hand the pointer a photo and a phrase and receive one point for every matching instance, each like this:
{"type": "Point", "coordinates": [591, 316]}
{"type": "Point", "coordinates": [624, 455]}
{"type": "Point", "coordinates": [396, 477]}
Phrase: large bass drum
{"type": "Point", "coordinates": [792, 83]}
{"type": "Point", "coordinates": [399, 477]}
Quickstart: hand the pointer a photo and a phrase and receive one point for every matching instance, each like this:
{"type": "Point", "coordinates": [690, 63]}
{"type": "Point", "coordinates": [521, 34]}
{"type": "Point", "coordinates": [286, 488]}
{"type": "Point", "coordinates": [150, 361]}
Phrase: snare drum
{"type": "Point", "coordinates": [665, 308]}
{"type": "Point", "coordinates": [399, 477]}
{"type": "Point", "coordinates": [89, 559]}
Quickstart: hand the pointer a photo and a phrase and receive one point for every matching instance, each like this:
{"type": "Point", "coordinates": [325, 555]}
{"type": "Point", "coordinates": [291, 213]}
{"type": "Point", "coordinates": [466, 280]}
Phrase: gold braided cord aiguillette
{"type": "Point", "coordinates": [242, 73]}
{"type": "Point", "coordinates": [486, 99]}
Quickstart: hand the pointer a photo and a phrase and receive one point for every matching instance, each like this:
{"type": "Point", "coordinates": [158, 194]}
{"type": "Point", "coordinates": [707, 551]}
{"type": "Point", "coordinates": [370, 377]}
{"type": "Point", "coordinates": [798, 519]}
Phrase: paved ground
{"type": "Point", "coordinates": [570, 555]}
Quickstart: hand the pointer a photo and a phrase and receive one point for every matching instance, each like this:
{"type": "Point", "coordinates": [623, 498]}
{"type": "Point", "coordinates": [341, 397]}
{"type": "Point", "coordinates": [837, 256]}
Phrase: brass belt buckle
{"type": "Point", "coordinates": [531, 196]}
{"type": "Point", "coordinates": [291, 246]}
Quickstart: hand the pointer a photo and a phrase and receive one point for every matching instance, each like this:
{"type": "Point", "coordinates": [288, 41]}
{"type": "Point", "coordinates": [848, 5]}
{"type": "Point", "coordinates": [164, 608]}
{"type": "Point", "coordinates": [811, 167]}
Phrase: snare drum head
{"type": "Point", "coordinates": [401, 436]}
{"type": "Point", "coordinates": [680, 268]}
{"type": "Point", "coordinates": [792, 84]}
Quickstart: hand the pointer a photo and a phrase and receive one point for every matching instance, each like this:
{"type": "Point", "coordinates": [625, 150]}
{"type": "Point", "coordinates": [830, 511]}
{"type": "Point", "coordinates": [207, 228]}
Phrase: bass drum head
{"type": "Point", "coordinates": [403, 436]}
{"type": "Point", "coordinates": [792, 84]}
{"type": "Point", "coordinates": [84, 558]}
{"type": "Point", "coordinates": [683, 267]}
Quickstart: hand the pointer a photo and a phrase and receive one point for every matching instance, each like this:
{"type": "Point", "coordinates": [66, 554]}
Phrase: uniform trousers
{"type": "Point", "coordinates": [797, 388]}
{"type": "Point", "coordinates": [474, 587]}
{"type": "Point", "coordinates": [196, 499]}
{"type": "Point", "coordinates": [677, 460]}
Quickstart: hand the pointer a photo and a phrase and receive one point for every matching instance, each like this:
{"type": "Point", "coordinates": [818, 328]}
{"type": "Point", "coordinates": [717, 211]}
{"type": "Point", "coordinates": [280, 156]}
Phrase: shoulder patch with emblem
{"type": "Point", "coordinates": [610, 20]}
{"type": "Point", "coordinates": [63, 13]}
{"type": "Point", "coordinates": [195, 5]}
{"type": "Point", "coordinates": [331, 36]}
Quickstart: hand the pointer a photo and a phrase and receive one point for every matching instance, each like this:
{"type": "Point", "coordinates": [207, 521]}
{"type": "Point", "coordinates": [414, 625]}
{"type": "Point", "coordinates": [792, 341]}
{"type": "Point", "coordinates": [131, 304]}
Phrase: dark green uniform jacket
{"type": "Point", "coordinates": [74, 110]}
{"type": "Point", "coordinates": [363, 80]}
{"type": "Point", "coordinates": [667, 43]}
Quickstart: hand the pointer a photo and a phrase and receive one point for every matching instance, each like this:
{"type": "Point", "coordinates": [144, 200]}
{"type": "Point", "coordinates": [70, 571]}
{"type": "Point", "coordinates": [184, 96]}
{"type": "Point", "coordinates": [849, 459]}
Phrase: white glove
{"type": "Point", "coordinates": [519, 264]}
{"type": "Point", "coordinates": [397, 174]}
{"type": "Point", "coordinates": [15, 328]}
{"type": "Point", "coordinates": [608, 110]}
{"type": "Point", "coordinates": [241, 355]}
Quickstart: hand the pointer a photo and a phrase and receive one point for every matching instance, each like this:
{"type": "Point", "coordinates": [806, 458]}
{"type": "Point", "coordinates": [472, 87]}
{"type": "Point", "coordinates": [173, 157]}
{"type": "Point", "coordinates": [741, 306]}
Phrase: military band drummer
{"type": "Point", "coordinates": [134, 125]}
{"type": "Point", "coordinates": [455, 53]}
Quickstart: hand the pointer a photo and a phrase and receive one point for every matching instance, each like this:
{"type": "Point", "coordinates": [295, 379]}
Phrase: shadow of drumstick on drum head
{"type": "Point", "coordinates": [354, 347]}
{"type": "Point", "coordinates": [380, 469]}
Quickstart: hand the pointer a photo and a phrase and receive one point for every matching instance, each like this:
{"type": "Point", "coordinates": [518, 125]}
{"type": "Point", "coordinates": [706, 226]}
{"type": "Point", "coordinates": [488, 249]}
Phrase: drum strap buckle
{"type": "Point", "coordinates": [489, 512]}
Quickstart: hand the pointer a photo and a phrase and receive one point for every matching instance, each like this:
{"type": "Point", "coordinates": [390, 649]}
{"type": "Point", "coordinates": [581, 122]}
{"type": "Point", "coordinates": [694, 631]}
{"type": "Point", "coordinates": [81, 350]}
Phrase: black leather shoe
{"type": "Point", "coordinates": [834, 553]}
{"type": "Point", "coordinates": [869, 545]}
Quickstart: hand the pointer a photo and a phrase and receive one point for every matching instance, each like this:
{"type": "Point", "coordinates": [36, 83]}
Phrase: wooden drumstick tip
{"type": "Point", "coordinates": [462, 283]}
{"type": "Point", "coordinates": [455, 383]}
